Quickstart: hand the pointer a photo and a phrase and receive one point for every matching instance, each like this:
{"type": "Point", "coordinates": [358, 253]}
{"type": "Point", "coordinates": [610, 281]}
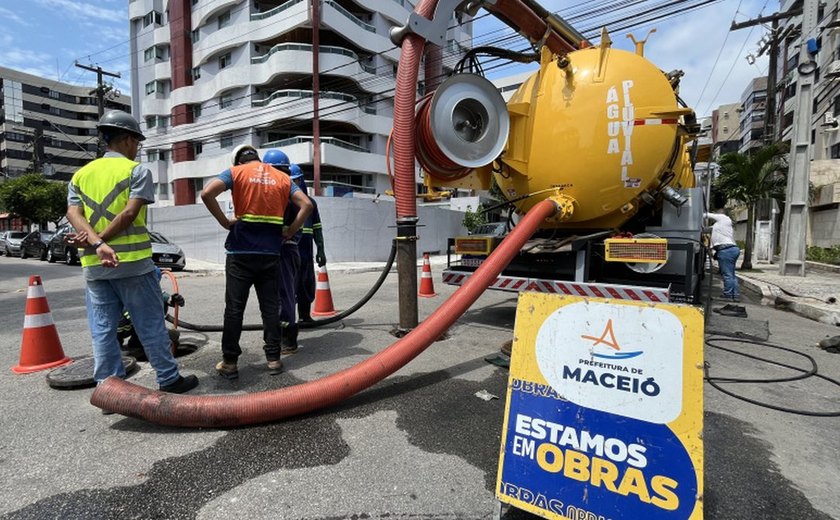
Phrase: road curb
{"type": "Point", "coordinates": [772, 295]}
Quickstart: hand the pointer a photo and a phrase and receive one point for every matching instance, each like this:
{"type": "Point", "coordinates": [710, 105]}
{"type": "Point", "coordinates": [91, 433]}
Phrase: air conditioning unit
{"type": "Point", "coordinates": [830, 122]}
{"type": "Point", "coordinates": [833, 69]}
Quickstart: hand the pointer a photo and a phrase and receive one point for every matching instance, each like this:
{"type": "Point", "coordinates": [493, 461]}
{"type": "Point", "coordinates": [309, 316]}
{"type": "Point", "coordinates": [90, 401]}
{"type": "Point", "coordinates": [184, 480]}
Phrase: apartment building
{"type": "Point", "coordinates": [726, 129]}
{"type": "Point", "coordinates": [751, 121]}
{"type": "Point", "coordinates": [48, 126]}
{"type": "Point", "coordinates": [210, 75]}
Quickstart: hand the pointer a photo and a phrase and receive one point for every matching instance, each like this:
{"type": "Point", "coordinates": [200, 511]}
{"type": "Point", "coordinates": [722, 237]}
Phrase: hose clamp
{"type": "Point", "coordinates": [407, 229]}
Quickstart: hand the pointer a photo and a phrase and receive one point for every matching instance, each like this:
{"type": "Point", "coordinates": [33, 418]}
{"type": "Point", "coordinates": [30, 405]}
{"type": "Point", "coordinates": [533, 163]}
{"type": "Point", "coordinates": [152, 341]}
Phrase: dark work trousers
{"type": "Point", "coordinates": [289, 269]}
{"type": "Point", "coordinates": [305, 287]}
{"type": "Point", "coordinates": [241, 272]}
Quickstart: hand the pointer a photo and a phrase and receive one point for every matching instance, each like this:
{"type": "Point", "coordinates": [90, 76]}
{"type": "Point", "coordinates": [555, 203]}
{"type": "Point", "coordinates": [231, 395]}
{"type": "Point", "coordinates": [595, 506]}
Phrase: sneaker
{"type": "Point", "coordinates": [181, 385]}
{"type": "Point", "coordinates": [275, 366]}
{"type": "Point", "coordinates": [288, 349]}
{"type": "Point", "coordinates": [227, 369]}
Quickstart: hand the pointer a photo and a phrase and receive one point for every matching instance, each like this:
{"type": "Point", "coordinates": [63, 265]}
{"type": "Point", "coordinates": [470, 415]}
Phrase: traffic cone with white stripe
{"type": "Point", "coordinates": [40, 348]}
{"type": "Point", "coordinates": [323, 296]}
{"type": "Point", "coordinates": [427, 288]}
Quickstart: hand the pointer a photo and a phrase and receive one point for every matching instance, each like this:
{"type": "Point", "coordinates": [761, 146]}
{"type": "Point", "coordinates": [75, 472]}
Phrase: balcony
{"type": "Point", "coordinates": [271, 12]}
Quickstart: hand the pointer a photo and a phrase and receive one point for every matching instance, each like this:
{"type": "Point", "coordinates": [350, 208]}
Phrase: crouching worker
{"type": "Point", "coordinates": [125, 330]}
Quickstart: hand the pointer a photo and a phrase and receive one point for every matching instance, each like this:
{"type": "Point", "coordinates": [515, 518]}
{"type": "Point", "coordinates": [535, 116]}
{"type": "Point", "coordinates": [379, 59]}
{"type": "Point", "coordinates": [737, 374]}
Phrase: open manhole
{"type": "Point", "coordinates": [182, 347]}
{"type": "Point", "coordinates": [79, 373]}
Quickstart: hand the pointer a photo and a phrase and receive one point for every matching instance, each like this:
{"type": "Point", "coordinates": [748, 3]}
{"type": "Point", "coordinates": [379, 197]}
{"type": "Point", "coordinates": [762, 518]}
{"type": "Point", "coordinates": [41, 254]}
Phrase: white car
{"type": "Point", "coordinates": [165, 253]}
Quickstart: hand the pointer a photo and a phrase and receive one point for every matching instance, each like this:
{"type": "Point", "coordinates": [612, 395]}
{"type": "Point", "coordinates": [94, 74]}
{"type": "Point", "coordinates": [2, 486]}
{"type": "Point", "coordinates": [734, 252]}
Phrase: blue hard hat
{"type": "Point", "coordinates": [294, 172]}
{"type": "Point", "coordinates": [276, 158]}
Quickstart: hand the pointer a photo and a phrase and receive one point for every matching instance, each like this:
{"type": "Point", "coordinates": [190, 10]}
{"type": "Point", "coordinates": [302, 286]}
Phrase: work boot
{"type": "Point", "coordinates": [227, 369]}
{"type": "Point", "coordinates": [831, 344]}
{"type": "Point", "coordinates": [275, 366]}
{"type": "Point", "coordinates": [181, 385]}
{"type": "Point", "coordinates": [288, 340]}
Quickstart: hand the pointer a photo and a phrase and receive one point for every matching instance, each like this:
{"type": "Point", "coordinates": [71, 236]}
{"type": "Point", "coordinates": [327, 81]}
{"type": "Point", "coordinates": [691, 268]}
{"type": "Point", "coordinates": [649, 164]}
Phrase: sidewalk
{"type": "Point", "coordinates": [815, 296]}
{"type": "Point", "coordinates": [201, 266]}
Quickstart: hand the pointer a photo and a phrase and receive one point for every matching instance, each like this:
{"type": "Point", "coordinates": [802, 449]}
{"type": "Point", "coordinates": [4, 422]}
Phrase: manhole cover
{"type": "Point", "coordinates": [79, 373]}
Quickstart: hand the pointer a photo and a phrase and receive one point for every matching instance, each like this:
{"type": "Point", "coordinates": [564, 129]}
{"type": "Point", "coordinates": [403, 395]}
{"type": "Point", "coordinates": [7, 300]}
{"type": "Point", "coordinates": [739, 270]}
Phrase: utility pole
{"type": "Point", "coordinates": [100, 96]}
{"type": "Point", "coordinates": [772, 80]}
{"type": "Point", "coordinates": [795, 222]}
{"type": "Point", "coordinates": [37, 149]}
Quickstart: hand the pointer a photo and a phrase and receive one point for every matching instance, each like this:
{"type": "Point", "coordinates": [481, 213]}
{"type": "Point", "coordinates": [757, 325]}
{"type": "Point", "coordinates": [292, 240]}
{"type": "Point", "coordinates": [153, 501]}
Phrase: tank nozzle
{"type": "Point", "coordinates": [673, 196]}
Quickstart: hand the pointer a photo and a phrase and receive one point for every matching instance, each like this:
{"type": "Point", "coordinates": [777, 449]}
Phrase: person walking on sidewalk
{"type": "Point", "coordinates": [312, 232]}
{"type": "Point", "coordinates": [106, 203]}
{"type": "Point", "coordinates": [726, 251]}
{"type": "Point", "coordinates": [261, 194]}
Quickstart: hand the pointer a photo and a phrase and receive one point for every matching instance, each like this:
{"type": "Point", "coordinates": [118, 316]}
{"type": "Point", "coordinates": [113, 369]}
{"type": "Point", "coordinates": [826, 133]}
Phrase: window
{"type": "Point", "coordinates": [157, 122]}
{"type": "Point", "coordinates": [726, 115]}
{"type": "Point", "coordinates": [195, 35]}
{"type": "Point", "coordinates": [835, 151]}
{"type": "Point", "coordinates": [16, 136]}
{"type": "Point", "coordinates": [150, 87]}
{"type": "Point", "coordinates": [55, 94]}
{"type": "Point", "coordinates": [194, 2]}
{"type": "Point", "coordinates": [226, 141]}
{"type": "Point", "coordinates": [196, 73]}
{"type": "Point", "coordinates": [55, 111]}
{"type": "Point", "coordinates": [196, 110]}
{"type": "Point", "coordinates": [155, 155]}
{"type": "Point", "coordinates": [152, 17]}
{"type": "Point", "coordinates": [155, 51]}
{"type": "Point", "coordinates": [197, 148]}
{"type": "Point", "coordinates": [151, 122]}
{"type": "Point", "coordinates": [224, 60]}
{"type": "Point", "coordinates": [163, 188]}
{"type": "Point", "coordinates": [225, 100]}
{"type": "Point", "coordinates": [224, 19]}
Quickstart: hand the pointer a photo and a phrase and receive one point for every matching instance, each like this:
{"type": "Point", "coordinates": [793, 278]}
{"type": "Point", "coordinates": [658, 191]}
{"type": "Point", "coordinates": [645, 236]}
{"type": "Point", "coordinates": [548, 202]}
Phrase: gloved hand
{"type": "Point", "coordinates": [176, 300]}
{"type": "Point", "coordinates": [321, 258]}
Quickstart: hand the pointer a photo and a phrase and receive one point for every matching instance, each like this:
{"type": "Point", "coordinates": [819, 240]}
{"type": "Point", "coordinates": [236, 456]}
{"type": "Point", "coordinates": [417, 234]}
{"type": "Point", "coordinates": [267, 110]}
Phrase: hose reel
{"type": "Point", "coordinates": [463, 126]}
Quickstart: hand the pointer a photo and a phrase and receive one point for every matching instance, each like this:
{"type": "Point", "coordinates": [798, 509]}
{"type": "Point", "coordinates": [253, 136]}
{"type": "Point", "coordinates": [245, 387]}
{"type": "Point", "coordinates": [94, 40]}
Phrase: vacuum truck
{"type": "Point", "coordinates": [603, 133]}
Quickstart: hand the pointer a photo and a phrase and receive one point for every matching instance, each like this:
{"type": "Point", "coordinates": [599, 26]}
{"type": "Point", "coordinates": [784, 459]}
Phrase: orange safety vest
{"type": "Point", "coordinates": [260, 193]}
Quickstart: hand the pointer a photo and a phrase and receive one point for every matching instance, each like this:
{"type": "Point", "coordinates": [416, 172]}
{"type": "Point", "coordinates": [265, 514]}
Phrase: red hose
{"type": "Point", "coordinates": [404, 98]}
{"type": "Point", "coordinates": [209, 411]}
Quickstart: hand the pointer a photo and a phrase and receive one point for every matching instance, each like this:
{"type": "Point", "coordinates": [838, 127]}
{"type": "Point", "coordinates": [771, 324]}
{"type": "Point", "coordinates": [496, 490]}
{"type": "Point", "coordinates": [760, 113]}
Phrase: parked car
{"type": "Point", "coordinates": [11, 244]}
{"type": "Point", "coordinates": [165, 253]}
{"type": "Point", "coordinates": [58, 249]}
{"type": "Point", "coordinates": [3, 242]}
{"type": "Point", "coordinates": [35, 244]}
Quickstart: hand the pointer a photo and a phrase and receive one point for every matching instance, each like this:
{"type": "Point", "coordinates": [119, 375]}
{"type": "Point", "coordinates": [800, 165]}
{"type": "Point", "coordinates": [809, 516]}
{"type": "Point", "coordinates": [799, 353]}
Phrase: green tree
{"type": "Point", "coordinates": [34, 198]}
{"type": "Point", "coordinates": [473, 219]}
{"type": "Point", "coordinates": [749, 178]}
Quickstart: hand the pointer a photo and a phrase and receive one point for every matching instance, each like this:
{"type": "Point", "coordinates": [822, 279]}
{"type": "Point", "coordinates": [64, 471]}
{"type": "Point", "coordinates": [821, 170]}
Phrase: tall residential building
{"type": "Point", "coordinates": [48, 126]}
{"type": "Point", "coordinates": [726, 129]}
{"type": "Point", "coordinates": [751, 122]}
{"type": "Point", "coordinates": [209, 75]}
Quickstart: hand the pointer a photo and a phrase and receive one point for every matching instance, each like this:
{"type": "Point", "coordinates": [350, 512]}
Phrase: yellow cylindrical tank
{"type": "Point", "coordinates": [598, 126]}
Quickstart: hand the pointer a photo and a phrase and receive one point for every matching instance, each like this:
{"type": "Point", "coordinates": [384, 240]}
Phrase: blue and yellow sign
{"type": "Point", "coordinates": [604, 413]}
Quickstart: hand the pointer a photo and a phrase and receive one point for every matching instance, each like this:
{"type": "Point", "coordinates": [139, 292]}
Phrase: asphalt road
{"type": "Point", "coordinates": [420, 444]}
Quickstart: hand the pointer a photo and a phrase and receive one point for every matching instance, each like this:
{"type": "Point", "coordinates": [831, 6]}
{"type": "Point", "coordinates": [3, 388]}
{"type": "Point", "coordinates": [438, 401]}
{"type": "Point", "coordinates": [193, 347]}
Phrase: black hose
{"type": "Point", "coordinates": [804, 373]}
{"type": "Point", "coordinates": [307, 324]}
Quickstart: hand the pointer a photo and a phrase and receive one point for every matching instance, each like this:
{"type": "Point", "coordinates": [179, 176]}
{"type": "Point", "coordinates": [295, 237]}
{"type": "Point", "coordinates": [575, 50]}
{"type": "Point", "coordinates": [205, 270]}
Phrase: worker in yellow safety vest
{"type": "Point", "coordinates": [106, 203]}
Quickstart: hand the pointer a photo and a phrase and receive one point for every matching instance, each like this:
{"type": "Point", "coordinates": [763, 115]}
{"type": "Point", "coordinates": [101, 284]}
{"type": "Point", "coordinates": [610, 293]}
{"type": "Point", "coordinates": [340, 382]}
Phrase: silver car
{"type": "Point", "coordinates": [11, 244]}
{"type": "Point", "coordinates": [166, 253]}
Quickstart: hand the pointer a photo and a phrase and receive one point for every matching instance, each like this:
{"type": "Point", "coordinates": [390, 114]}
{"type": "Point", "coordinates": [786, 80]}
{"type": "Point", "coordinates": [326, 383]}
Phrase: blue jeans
{"type": "Point", "coordinates": [726, 260]}
{"type": "Point", "coordinates": [140, 296]}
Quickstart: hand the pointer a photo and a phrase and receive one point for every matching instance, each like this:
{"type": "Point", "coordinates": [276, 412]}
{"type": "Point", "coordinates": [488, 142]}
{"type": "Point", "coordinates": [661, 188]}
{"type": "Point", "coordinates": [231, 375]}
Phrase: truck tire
{"type": "Point", "coordinates": [50, 256]}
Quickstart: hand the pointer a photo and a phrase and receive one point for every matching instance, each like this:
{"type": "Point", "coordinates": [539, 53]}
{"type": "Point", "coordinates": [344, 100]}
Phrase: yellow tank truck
{"type": "Point", "coordinates": [603, 132]}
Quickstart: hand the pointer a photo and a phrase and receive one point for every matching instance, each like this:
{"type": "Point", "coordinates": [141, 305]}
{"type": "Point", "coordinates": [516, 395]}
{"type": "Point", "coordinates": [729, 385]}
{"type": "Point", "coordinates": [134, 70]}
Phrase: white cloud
{"type": "Point", "coordinates": [12, 16]}
{"type": "Point", "coordinates": [84, 11]}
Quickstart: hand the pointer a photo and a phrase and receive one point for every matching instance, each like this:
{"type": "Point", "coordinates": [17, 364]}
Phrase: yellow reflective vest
{"type": "Point", "coordinates": [103, 186]}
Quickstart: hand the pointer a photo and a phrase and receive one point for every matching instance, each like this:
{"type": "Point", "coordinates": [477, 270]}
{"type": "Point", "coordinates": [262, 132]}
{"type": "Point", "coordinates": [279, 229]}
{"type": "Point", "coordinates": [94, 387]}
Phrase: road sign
{"type": "Point", "coordinates": [604, 413]}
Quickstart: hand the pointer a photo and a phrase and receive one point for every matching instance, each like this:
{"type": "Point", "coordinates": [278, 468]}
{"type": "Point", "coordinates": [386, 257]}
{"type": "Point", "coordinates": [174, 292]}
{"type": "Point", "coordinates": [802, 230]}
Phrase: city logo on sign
{"type": "Point", "coordinates": [608, 338]}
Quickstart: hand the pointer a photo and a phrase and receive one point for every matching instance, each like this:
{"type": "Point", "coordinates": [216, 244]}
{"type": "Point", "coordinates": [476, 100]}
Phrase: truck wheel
{"type": "Point", "coordinates": [23, 253]}
{"type": "Point", "coordinates": [50, 256]}
{"type": "Point", "coordinates": [43, 255]}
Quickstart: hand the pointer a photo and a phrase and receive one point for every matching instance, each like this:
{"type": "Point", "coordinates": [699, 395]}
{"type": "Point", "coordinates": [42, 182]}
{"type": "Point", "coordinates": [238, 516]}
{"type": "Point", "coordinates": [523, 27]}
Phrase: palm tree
{"type": "Point", "coordinates": [751, 177]}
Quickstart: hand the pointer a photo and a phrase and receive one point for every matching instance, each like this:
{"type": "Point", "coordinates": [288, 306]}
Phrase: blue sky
{"type": "Point", "coordinates": [96, 32]}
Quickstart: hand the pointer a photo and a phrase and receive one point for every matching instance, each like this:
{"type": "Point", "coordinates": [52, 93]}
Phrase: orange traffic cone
{"type": "Point", "coordinates": [323, 296]}
{"type": "Point", "coordinates": [427, 288]}
{"type": "Point", "coordinates": [40, 348]}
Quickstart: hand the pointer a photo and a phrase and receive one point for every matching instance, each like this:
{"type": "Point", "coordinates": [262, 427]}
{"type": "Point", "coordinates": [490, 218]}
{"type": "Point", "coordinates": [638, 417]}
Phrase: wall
{"type": "Point", "coordinates": [355, 230]}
